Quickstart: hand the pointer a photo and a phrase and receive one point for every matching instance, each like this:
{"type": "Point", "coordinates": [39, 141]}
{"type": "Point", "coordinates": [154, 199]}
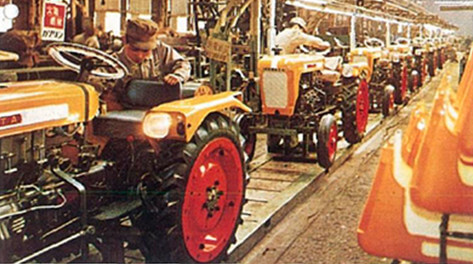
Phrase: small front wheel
{"type": "Point", "coordinates": [327, 139]}
{"type": "Point", "coordinates": [388, 101]}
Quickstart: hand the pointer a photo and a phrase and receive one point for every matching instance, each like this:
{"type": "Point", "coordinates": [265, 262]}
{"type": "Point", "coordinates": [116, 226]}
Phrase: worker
{"type": "Point", "coordinates": [294, 36]}
{"type": "Point", "coordinates": [147, 58]}
{"type": "Point", "coordinates": [88, 37]}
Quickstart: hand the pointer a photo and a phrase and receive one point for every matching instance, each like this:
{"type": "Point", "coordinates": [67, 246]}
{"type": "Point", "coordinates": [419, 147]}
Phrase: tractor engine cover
{"type": "Point", "coordinates": [34, 105]}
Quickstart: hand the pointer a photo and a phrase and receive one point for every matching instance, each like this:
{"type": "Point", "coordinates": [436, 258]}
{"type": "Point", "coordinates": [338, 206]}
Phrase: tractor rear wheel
{"type": "Point", "coordinates": [198, 202]}
{"type": "Point", "coordinates": [355, 112]}
{"type": "Point", "coordinates": [400, 91]}
{"type": "Point", "coordinates": [327, 138]}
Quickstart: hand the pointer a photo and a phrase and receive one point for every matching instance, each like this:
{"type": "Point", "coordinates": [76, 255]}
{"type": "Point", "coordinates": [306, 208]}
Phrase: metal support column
{"type": "Point", "coordinates": [388, 34]}
{"type": "Point", "coordinates": [409, 31]}
{"type": "Point", "coordinates": [123, 10]}
{"type": "Point", "coordinates": [353, 32]}
{"type": "Point", "coordinates": [272, 26]}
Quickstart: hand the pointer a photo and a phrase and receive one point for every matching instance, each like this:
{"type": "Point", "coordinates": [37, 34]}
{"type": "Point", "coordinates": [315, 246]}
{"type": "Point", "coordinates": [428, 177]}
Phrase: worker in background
{"type": "Point", "coordinates": [294, 36]}
{"type": "Point", "coordinates": [89, 37]}
{"type": "Point", "coordinates": [148, 58]}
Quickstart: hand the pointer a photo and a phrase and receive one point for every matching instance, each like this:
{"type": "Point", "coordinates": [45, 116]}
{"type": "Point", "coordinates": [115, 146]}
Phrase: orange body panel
{"type": "Point", "coordinates": [294, 66]}
{"type": "Point", "coordinates": [33, 105]}
{"type": "Point", "coordinates": [192, 112]}
{"type": "Point", "coordinates": [446, 187]}
{"type": "Point", "coordinates": [371, 54]}
{"type": "Point", "coordinates": [383, 229]}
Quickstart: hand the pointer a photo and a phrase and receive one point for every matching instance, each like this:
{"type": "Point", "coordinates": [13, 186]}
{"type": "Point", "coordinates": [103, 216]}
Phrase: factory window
{"type": "Point", "coordinates": [112, 22]}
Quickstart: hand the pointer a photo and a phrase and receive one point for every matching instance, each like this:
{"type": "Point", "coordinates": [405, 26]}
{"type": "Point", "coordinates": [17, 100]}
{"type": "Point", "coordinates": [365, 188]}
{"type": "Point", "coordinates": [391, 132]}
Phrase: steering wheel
{"type": "Point", "coordinates": [403, 41]}
{"type": "Point", "coordinates": [8, 56]}
{"type": "Point", "coordinates": [100, 64]}
{"type": "Point", "coordinates": [373, 43]}
{"type": "Point", "coordinates": [419, 41]}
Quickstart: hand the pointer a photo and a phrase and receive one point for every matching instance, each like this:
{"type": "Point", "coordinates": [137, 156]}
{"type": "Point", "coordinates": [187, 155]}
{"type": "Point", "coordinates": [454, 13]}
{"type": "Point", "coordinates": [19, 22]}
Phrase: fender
{"type": "Point", "coordinates": [187, 115]}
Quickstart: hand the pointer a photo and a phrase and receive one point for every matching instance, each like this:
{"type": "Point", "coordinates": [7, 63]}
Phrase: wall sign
{"type": "Point", "coordinates": [53, 21]}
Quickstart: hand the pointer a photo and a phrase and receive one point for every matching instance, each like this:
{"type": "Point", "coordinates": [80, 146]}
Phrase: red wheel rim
{"type": "Point", "coordinates": [362, 106]}
{"type": "Point", "coordinates": [212, 200]}
{"type": "Point", "coordinates": [391, 101]}
{"type": "Point", "coordinates": [332, 141]}
{"type": "Point", "coordinates": [404, 82]}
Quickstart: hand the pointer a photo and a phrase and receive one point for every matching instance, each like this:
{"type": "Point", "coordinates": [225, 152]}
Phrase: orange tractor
{"type": "Point", "coordinates": [170, 179]}
{"type": "Point", "coordinates": [376, 70]}
{"type": "Point", "coordinates": [303, 97]}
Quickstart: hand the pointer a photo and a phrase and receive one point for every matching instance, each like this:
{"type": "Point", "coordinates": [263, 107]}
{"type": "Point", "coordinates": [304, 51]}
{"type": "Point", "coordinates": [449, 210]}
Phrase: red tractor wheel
{"type": "Point", "coordinates": [400, 92]}
{"type": "Point", "coordinates": [201, 199]}
{"type": "Point", "coordinates": [355, 113]}
{"type": "Point", "coordinates": [327, 138]}
{"type": "Point", "coordinates": [388, 101]}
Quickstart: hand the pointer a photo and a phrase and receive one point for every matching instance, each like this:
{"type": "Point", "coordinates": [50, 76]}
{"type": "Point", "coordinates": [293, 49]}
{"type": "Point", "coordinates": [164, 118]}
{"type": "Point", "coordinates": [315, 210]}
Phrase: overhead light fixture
{"type": "Point", "coordinates": [11, 11]}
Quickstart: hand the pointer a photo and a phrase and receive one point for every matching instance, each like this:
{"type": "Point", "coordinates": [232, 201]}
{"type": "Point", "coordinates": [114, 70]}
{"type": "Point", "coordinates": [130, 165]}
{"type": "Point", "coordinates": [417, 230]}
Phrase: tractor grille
{"type": "Point", "coordinates": [275, 88]}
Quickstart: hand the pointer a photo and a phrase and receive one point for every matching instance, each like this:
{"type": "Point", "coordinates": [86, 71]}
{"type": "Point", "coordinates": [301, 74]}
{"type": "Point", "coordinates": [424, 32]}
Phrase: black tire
{"type": "Point", "coordinates": [349, 112]}
{"type": "Point", "coordinates": [399, 95]}
{"type": "Point", "coordinates": [273, 144]}
{"type": "Point", "coordinates": [326, 148]}
{"type": "Point", "coordinates": [387, 105]}
{"type": "Point", "coordinates": [431, 65]}
{"type": "Point", "coordinates": [413, 81]}
{"type": "Point", "coordinates": [247, 139]}
{"type": "Point", "coordinates": [162, 223]}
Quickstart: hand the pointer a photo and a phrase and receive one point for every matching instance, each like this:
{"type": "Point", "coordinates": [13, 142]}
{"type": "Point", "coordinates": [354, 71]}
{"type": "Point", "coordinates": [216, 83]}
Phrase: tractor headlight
{"type": "Point", "coordinates": [157, 125]}
{"type": "Point", "coordinates": [347, 71]}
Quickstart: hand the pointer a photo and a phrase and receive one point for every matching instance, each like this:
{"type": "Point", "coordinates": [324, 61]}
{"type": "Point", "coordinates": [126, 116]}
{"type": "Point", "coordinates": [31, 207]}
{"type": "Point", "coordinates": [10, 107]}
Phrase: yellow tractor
{"type": "Point", "coordinates": [303, 97]}
{"type": "Point", "coordinates": [376, 71]}
{"type": "Point", "coordinates": [167, 177]}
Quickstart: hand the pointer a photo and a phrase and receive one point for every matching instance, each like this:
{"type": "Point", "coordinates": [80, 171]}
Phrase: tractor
{"type": "Point", "coordinates": [303, 97]}
{"type": "Point", "coordinates": [420, 59]}
{"type": "Point", "coordinates": [405, 77]}
{"type": "Point", "coordinates": [166, 176]}
{"type": "Point", "coordinates": [376, 70]}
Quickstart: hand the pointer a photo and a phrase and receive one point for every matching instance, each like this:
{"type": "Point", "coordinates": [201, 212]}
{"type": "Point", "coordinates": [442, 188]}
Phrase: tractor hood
{"type": "Point", "coordinates": [33, 105]}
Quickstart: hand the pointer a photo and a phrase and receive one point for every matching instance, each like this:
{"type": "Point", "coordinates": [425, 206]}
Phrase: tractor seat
{"type": "Point", "coordinates": [145, 94]}
{"type": "Point", "coordinates": [333, 63]}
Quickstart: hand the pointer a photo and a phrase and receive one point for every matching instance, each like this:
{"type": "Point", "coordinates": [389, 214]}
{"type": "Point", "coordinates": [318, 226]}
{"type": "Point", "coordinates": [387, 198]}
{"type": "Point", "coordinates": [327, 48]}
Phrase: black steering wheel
{"type": "Point", "coordinates": [373, 43]}
{"type": "Point", "coordinates": [78, 57]}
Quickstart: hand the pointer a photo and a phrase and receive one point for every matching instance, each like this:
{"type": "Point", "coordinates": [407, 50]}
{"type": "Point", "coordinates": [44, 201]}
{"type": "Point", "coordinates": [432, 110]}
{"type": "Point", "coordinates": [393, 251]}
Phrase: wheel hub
{"type": "Point", "coordinates": [213, 197]}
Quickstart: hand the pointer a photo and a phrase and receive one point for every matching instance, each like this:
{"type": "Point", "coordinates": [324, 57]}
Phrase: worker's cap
{"type": "Point", "coordinates": [141, 33]}
{"type": "Point", "coordinates": [298, 21]}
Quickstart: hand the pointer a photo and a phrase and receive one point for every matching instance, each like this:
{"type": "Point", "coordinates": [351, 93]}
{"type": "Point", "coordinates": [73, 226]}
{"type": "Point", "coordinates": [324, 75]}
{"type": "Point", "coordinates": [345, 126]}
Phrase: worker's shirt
{"type": "Point", "coordinates": [289, 39]}
{"type": "Point", "coordinates": [163, 60]}
{"type": "Point", "coordinates": [89, 41]}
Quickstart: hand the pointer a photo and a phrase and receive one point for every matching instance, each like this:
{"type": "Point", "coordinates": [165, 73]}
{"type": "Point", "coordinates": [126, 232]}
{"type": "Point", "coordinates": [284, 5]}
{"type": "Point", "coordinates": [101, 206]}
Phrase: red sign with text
{"type": "Point", "coordinates": [54, 21]}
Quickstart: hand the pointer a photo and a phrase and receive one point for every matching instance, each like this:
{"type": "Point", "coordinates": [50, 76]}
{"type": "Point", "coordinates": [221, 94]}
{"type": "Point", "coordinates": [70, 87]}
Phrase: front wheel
{"type": "Point", "coordinates": [201, 199]}
{"type": "Point", "coordinates": [388, 102]}
{"type": "Point", "coordinates": [327, 138]}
